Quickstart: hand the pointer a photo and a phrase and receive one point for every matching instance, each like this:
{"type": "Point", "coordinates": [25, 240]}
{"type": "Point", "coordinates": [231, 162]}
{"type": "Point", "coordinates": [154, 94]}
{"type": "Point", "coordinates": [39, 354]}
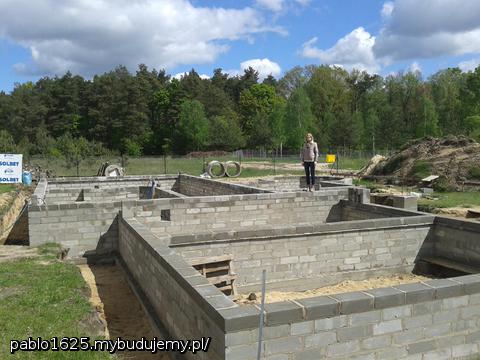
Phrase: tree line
{"type": "Point", "coordinates": [150, 112]}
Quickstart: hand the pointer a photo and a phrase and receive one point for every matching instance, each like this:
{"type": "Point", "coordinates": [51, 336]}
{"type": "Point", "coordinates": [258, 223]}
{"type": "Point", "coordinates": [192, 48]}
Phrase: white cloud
{"type": "Point", "coordinates": [415, 67]}
{"type": "Point", "coordinates": [179, 75]}
{"type": "Point", "coordinates": [89, 37]}
{"type": "Point", "coordinates": [264, 67]}
{"type": "Point", "coordinates": [469, 65]}
{"type": "Point", "coordinates": [273, 5]}
{"type": "Point", "coordinates": [429, 28]}
{"type": "Point", "coordinates": [352, 51]}
{"type": "Point", "coordinates": [387, 9]}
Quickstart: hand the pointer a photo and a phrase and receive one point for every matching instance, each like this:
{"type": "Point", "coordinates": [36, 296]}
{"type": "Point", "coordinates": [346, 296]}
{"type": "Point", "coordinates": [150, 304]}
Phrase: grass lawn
{"type": "Point", "coordinates": [6, 188]}
{"type": "Point", "coordinates": [44, 298]}
{"type": "Point", "coordinates": [452, 199]}
{"type": "Point", "coordinates": [173, 165]}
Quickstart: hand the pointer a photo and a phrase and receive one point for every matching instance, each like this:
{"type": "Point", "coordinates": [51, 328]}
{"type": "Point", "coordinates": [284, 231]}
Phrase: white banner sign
{"type": "Point", "coordinates": [10, 168]}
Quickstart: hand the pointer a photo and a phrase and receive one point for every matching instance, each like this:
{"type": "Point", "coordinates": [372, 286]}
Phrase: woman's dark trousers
{"type": "Point", "coordinates": [309, 172]}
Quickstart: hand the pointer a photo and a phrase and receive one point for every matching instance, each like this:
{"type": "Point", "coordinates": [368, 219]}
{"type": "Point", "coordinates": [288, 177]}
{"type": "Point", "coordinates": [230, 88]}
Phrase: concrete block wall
{"type": "Point", "coordinates": [356, 211]}
{"type": "Point", "coordinates": [315, 256]}
{"type": "Point", "coordinates": [58, 196]}
{"type": "Point", "coordinates": [294, 183]}
{"type": "Point", "coordinates": [184, 301]}
{"type": "Point", "coordinates": [457, 240]}
{"type": "Point", "coordinates": [79, 226]}
{"type": "Point", "coordinates": [38, 196]}
{"type": "Point", "coordinates": [437, 319]}
{"type": "Point", "coordinates": [163, 181]}
{"type": "Point", "coordinates": [55, 196]}
{"type": "Point", "coordinates": [233, 212]}
{"type": "Point", "coordinates": [196, 186]}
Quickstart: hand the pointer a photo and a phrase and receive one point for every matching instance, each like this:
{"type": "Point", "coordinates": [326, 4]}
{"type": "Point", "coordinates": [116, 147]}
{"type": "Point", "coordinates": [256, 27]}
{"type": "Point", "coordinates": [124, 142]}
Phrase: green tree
{"type": "Point", "coordinates": [276, 124]}
{"type": "Point", "coordinates": [225, 133]}
{"type": "Point", "coordinates": [447, 95]}
{"type": "Point", "coordinates": [193, 127]}
{"type": "Point", "coordinates": [7, 144]}
{"type": "Point", "coordinates": [370, 127]}
{"type": "Point", "coordinates": [298, 118]}
{"type": "Point", "coordinates": [256, 105]}
{"type": "Point", "coordinates": [75, 150]}
{"type": "Point", "coordinates": [329, 92]}
{"type": "Point", "coordinates": [473, 127]}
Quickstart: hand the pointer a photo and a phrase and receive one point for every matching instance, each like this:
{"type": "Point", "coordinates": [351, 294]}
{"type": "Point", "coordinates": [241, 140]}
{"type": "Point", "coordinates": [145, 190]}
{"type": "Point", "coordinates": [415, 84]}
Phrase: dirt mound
{"type": "Point", "coordinates": [454, 158]}
{"type": "Point", "coordinates": [372, 164]}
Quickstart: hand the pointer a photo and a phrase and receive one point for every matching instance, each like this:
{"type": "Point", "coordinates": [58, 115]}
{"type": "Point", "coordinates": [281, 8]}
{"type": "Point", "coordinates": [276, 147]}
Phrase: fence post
{"type": "Point", "coordinates": [274, 167]}
{"type": "Point", "coordinates": [164, 164]}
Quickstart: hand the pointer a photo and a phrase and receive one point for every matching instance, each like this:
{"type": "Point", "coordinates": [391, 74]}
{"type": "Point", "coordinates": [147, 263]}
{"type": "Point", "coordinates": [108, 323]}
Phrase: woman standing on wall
{"type": "Point", "coordinates": [309, 157]}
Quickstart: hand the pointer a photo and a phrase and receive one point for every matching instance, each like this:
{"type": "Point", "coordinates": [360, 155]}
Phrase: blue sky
{"type": "Point", "coordinates": [47, 38]}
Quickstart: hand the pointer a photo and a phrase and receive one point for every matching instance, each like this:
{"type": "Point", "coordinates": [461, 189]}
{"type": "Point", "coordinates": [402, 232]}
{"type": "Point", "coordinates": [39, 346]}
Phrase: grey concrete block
{"type": "Point", "coordinates": [240, 318]}
{"type": "Point", "coordinates": [387, 297]}
{"type": "Point", "coordinates": [416, 292]}
{"type": "Point", "coordinates": [320, 307]}
{"type": "Point", "coordinates": [353, 333]}
{"type": "Point", "coordinates": [283, 313]}
{"type": "Point", "coordinates": [387, 327]}
{"type": "Point", "coordinates": [354, 302]}
{"type": "Point", "coordinates": [471, 283]}
{"type": "Point", "coordinates": [284, 345]}
{"type": "Point", "coordinates": [445, 288]}
{"type": "Point", "coordinates": [422, 347]}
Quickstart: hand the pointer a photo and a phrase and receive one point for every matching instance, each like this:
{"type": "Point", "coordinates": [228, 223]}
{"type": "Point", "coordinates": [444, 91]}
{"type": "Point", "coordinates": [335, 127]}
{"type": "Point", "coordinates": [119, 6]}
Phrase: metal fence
{"type": "Point", "coordinates": [253, 162]}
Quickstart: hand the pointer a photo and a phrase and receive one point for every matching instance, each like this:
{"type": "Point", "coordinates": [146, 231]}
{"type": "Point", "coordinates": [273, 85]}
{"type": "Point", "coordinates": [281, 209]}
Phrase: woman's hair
{"type": "Point", "coordinates": [308, 134]}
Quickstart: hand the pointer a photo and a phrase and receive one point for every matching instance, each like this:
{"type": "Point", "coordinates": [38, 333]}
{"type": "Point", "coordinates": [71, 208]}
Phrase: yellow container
{"type": "Point", "coordinates": [330, 158]}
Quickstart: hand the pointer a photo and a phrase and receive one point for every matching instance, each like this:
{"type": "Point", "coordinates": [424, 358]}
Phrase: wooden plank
{"type": "Point", "coordinates": [220, 279]}
{"type": "Point", "coordinates": [450, 264]}
{"type": "Point", "coordinates": [209, 260]}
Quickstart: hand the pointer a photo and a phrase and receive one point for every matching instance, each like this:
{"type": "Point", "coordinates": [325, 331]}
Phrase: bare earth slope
{"type": "Point", "coordinates": [456, 159]}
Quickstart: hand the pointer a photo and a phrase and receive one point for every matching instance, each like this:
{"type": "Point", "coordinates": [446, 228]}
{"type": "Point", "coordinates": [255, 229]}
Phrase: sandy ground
{"type": "Point", "coordinates": [456, 211]}
{"type": "Point", "coordinates": [118, 307]}
{"type": "Point", "coordinates": [16, 203]}
{"type": "Point", "coordinates": [344, 286]}
{"type": "Point", "coordinates": [5, 199]}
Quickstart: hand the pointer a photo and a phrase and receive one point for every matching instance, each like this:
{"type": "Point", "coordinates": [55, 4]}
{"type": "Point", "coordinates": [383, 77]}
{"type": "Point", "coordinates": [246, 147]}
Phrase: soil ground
{"type": "Point", "coordinates": [11, 204]}
{"type": "Point", "coordinates": [344, 286]}
{"type": "Point", "coordinates": [118, 307]}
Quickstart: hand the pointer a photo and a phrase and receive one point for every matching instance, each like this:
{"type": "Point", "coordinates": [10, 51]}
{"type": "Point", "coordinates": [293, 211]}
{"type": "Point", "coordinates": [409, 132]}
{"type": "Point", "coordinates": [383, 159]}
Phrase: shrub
{"type": "Point", "coordinates": [443, 185]}
{"type": "Point", "coordinates": [474, 172]}
{"type": "Point", "coordinates": [420, 169]}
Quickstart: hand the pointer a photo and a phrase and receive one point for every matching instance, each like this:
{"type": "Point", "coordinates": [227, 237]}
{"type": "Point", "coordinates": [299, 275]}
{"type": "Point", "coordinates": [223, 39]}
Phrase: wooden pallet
{"type": "Point", "coordinates": [218, 271]}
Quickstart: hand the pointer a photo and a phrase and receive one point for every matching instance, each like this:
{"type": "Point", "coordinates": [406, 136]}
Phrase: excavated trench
{"type": "Point", "coordinates": [118, 307]}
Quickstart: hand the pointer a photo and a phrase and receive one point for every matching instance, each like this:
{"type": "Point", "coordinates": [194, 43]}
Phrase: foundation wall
{"type": "Point", "coordinates": [351, 211]}
{"type": "Point", "coordinates": [435, 320]}
{"type": "Point", "coordinates": [196, 186]}
{"type": "Point", "coordinates": [294, 183]}
{"type": "Point", "coordinates": [184, 301]}
{"type": "Point", "coordinates": [59, 196]}
{"type": "Point", "coordinates": [80, 227]}
{"type": "Point", "coordinates": [457, 240]}
{"type": "Point", "coordinates": [305, 261]}
{"type": "Point", "coordinates": [230, 213]}
{"type": "Point", "coordinates": [163, 181]}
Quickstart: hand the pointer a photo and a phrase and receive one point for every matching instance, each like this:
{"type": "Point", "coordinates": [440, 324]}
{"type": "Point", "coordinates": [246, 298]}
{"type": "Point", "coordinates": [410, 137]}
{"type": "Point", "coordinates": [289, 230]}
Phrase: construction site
{"type": "Point", "coordinates": [345, 278]}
